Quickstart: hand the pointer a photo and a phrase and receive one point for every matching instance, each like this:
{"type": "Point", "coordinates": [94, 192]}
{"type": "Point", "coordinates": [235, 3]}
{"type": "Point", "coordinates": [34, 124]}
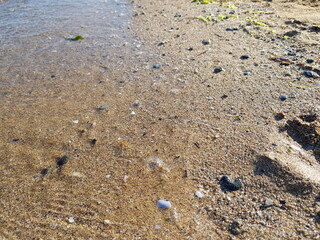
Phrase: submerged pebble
{"type": "Point", "coordinates": [163, 204]}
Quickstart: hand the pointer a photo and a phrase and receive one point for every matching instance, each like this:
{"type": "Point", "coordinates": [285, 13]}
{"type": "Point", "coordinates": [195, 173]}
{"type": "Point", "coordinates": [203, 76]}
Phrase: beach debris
{"type": "Point", "coordinates": [218, 69]}
{"type": "Point", "coordinates": [62, 161]}
{"type": "Point", "coordinates": [198, 194]}
{"type": "Point", "coordinates": [227, 184]}
{"type": "Point", "coordinates": [163, 204]}
{"type": "Point", "coordinates": [76, 38]}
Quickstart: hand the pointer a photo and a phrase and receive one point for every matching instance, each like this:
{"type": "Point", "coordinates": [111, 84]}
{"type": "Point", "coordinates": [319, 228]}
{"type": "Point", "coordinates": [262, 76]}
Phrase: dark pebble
{"type": "Point", "coordinates": [15, 140]}
{"type": "Point", "coordinates": [282, 202]}
{"type": "Point", "coordinates": [206, 42]}
{"type": "Point", "coordinates": [244, 57]}
{"type": "Point", "coordinates": [102, 107]}
{"type": "Point", "coordinates": [227, 185]}
{"type": "Point", "coordinates": [177, 15]}
{"type": "Point", "coordinates": [283, 98]}
{"type": "Point", "coordinates": [224, 96]}
{"type": "Point", "coordinates": [156, 66]}
{"type": "Point", "coordinates": [218, 69]}
{"type": "Point", "coordinates": [279, 116]}
{"type": "Point", "coordinates": [93, 141]}
{"type": "Point", "coordinates": [234, 228]}
{"type": "Point", "coordinates": [232, 29]}
{"type": "Point", "coordinates": [45, 171]}
{"type": "Point", "coordinates": [190, 49]}
{"type": "Point", "coordinates": [309, 60]}
{"type": "Point", "coordinates": [309, 74]}
{"type": "Point", "coordinates": [62, 161]}
{"type": "Point", "coordinates": [246, 73]}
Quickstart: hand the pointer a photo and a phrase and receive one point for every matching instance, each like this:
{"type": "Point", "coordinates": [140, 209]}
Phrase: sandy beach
{"type": "Point", "coordinates": [192, 94]}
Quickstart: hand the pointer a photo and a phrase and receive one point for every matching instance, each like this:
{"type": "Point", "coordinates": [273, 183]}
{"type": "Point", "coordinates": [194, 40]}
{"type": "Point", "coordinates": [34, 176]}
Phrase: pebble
{"type": "Point", "coordinates": [198, 194]}
{"type": "Point", "coordinates": [218, 69]}
{"type": "Point", "coordinates": [232, 29]}
{"type": "Point", "coordinates": [156, 66]}
{"type": "Point", "coordinates": [71, 219]}
{"type": "Point", "coordinates": [310, 74]}
{"type": "Point", "coordinates": [206, 42]}
{"type": "Point", "coordinates": [283, 97]}
{"type": "Point", "coordinates": [234, 228]}
{"type": "Point", "coordinates": [102, 107]}
{"type": "Point", "coordinates": [106, 222]}
{"type": "Point", "coordinates": [268, 202]}
{"type": "Point", "coordinates": [77, 174]}
{"type": "Point", "coordinates": [246, 73]}
{"type": "Point", "coordinates": [133, 113]}
{"type": "Point", "coordinates": [244, 57]}
{"type": "Point", "coordinates": [228, 185]}
{"type": "Point", "coordinates": [309, 60]}
{"type": "Point", "coordinates": [163, 204]}
{"type": "Point", "coordinates": [62, 161]}
{"type": "Point", "coordinates": [157, 227]}
{"type": "Point", "coordinates": [75, 121]}
{"type": "Point", "coordinates": [292, 95]}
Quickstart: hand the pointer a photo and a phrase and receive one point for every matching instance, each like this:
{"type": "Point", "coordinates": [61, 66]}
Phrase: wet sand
{"type": "Point", "coordinates": [164, 101]}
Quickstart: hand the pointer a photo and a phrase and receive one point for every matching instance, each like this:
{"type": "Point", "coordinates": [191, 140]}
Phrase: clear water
{"type": "Point", "coordinates": [33, 36]}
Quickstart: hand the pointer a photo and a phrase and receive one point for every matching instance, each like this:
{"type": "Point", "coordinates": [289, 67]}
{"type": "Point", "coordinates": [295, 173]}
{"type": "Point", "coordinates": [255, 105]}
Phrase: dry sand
{"type": "Point", "coordinates": [201, 124]}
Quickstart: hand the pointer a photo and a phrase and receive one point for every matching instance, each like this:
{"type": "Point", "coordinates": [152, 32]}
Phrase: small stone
{"type": "Point", "coordinates": [77, 174]}
{"type": "Point", "coordinates": [283, 97]}
{"type": "Point", "coordinates": [156, 66]}
{"type": "Point", "coordinates": [133, 113]}
{"type": "Point", "coordinates": [62, 161]}
{"type": "Point", "coordinates": [234, 228]}
{"type": "Point", "coordinates": [227, 185]}
{"type": "Point", "coordinates": [177, 15]}
{"type": "Point", "coordinates": [75, 121]}
{"type": "Point", "coordinates": [198, 194]}
{"type": "Point", "coordinates": [163, 204]}
{"type": "Point", "coordinates": [157, 227]}
{"type": "Point", "coordinates": [244, 57]}
{"type": "Point", "coordinates": [292, 95]}
{"type": "Point", "coordinates": [292, 33]}
{"type": "Point", "coordinates": [268, 202]}
{"type": "Point", "coordinates": [309, 60]}
{"type": "Point", "coordinates": [15, 140]}
{"type": "Point", "coordinates": [218, 69]}
{"type": "Point", "coordinates": [106, 222]}
{"type": "Point", "coordinates": [282, 202]}
{"type": "Point", "coordinates": [206, 42]}
{"type": "Point", "coordinates": [279, 116]}
{"type": "Point", "coordinates": [71, 220]}
{"type": "Point", "coordinates": [46, 171]}
{"type": "Point", "coordinates": [102, 107]}
{"type": "Point", "coordinates": [310, 74]}
{"type": "Point", "coordinates": [246, 73]}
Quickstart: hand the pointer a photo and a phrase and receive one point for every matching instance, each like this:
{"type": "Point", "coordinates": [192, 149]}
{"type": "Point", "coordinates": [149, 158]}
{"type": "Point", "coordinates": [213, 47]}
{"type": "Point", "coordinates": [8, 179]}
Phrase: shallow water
{"type": "Point", "coordinates": [33, 36]}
